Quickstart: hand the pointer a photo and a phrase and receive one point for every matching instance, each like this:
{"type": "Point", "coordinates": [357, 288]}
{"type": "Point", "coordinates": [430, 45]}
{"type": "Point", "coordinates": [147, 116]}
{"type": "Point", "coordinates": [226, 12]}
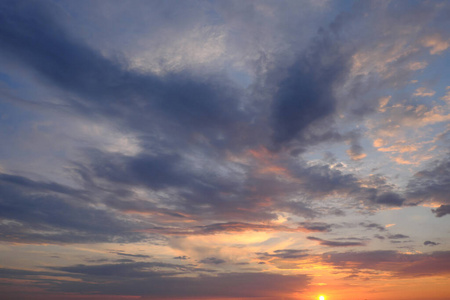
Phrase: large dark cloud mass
{"type": "Point", "coordinates": [104, 86]}
{"type": "Point", "coordinates": [306, 95]}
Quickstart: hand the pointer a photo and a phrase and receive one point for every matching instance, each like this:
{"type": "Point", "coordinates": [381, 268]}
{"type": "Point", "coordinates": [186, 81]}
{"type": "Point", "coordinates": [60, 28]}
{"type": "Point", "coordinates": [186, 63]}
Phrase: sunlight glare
{"type": "Point", "coordinates": [321, 297]}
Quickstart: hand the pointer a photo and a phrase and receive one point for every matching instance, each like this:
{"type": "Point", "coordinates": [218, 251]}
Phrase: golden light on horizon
{"type": "Point", "coordinates": [321, 297]}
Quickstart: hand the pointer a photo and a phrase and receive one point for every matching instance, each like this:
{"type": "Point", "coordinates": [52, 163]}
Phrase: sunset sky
{"type": "Point", "coordinates": [224, 150]}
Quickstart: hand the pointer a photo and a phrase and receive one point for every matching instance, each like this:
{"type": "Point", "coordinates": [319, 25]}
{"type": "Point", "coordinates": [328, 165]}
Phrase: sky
{"type": "Point", "coordinates": [224, 150]}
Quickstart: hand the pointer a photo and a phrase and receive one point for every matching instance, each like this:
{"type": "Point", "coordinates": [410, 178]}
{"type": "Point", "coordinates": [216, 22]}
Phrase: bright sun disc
{"type": "Point", "coordinates": [321, 297]}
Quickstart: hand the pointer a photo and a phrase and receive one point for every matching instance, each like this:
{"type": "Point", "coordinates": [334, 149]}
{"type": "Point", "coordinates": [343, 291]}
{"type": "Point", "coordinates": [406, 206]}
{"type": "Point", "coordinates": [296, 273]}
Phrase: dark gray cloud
{"type": "Point", "coordinates": [430, 243]}
{"type": "Point", "coordinates": [108, 87]}
{"type": "Point", "coordinates": [167, 171]}
{"type": "Point", "coordinates": [237, 227]}
{"type": "Point", "coordinates": [373, 226]}
{"type": "Point", "coordinates": [129, 270]}
{"type": "Point", "coordinates": [155, 280]}
{"type": "Point", "coordinates": [309, 93]}
{"type": "Point", "coordinates": [132, 255]}
{"type": "Point", "coordinates": [397, 236]}
{"type": "Point", "coordinates": [49, 212]}
{"type": "Point", "coordinates": [323, 180]}
{"type": "Point", "coordinates": [111, 177]}
{"type": "Point", "coordinates": [337, 243]}
{"type": "Point", "coordinates": [356, 152]}
{"type": "Point", "coordinates": [432, 185]}
{"type": "Point", "coordinates": [389, 199]}
{"type": "Point", "coordinates": [316, 226]}
{"type": "Point", "coordinates": [441, 211]}
{"type": "Point", "coordinates": [284, 254]}
{"type": "Point", "coordinates": [184, 257]}
{"type": "Point", "coordinates": [380, 237]}
{"type": "Point", "coordinates": [212, 261]}
{"type": "Point", "coordinates": [405, 265]}
{"type": "Point", "coordinates": [179, 109]}
{"type": "Point", "coordinates": [121, 173]}
{"type": "Point", "coordinates": [222, 285]}
{"type": "Point", "coordinates": [306, 95]}
{"type": "Point", "coordinates": [206, 192]}
{"type": "Point", "coordinates": [156, 172]}
{"type": "Point", "coordinates": [231, 227]}
{"type": "Point", "coordinates": [124, 260]}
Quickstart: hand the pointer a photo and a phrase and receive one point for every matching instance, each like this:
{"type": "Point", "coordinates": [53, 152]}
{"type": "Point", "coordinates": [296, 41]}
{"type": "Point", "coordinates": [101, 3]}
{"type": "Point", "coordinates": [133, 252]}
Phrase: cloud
{"type": "Point", "coordinates": [108, 87]}
{"type": "Point", "coordinates": [212, 261]}
{"type": "Point", "coordinates": [124, 260]}
{"type": "Point", "coordinates": [430, 243]}
{"type": "Point", "coordinates": [356, 152]}
{"type": "Point", "coordinates": [441, 211]}
{"type": "Point", "coordinates": [424, 92]}
{"type": "Point", "coordinates": [306, 95]}
{"type": "Point", "coordinates": [380, 237]}
{"type": "Point", "coordinates": [432, 184]}
{"type": "Point", "coordinates": [184, 257]}
{"type": "Point", "coordinates": [316, 226]}
{"type": "Point", "coordinates": [284, 254]}
{"type": "Point", "coordinates": [201, 115]}
{"type": "Point", "coordinates": [336, 243]}
{"type": "Point", "coordinates": [238, 227]}
{"type": "Point", "coordinates": [322, 181]}
{"type": "Point", "coordinates": [373, 226]}
{"type": "Point", "coordinates": [446, 97]}
{"type": "Point", "coordinates": [389, 198]}
{"type": "Point", "coordinates": [436, 43]}
{"type": "Point", "coordinates": [397, 236]}
{"type": "Point", "coordinates": [133, 255]}
{"type": "Point", "coordinates": [49, 212]}
{"type": "Point", "coordinates": [429, 264]}
{"type": "Point", "coordinates": [155, 280]}
{"type": "Point", "coordinates": [222, 285]}
{"type": "Point", "coordinates": [128, 270]}
{"type": "Point", "coordinates": [192, 186]}
{"type": "Point", "coordinates": [207, 125]}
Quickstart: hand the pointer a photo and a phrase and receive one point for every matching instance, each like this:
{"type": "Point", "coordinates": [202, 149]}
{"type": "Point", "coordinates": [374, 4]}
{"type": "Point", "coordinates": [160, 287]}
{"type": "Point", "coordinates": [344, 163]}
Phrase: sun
{"type": "Point", "coordinates": [321, 297]}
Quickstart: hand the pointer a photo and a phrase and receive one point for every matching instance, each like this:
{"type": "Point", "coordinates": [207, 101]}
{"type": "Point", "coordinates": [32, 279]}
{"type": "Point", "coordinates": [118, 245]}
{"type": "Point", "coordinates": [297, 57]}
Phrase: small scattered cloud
{"type": "Point", "coordinates": [424, 92]}
{"type": "Point", "coordinates": [184, 257]}
{"type": "Point", "coordinates": [316, 226]}
{"type": "Point", "coordinates": [373, 226]}
{"type": "Point", "coordinates": [436, 43]}
{"type": "Point", "coordinates": [383, 101]}
{"type": "Point", "coordinates": [284, 254]}
{"type": "Point", "coordinates": [417, 65]}
{"type": "Point", "coordinates": [430, 243]}
{"type": "Point", "coordinates": [212, 261]}
{"type": "Point", "coordinates": [356, 152]}
{"type": "Point", "coordinates": [397, 236]}
{"type": "Point", "coordinates": [446, 97]}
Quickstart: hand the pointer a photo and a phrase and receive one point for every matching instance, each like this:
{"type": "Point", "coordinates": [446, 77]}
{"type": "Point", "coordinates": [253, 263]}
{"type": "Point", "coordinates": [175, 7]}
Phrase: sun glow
{"type": "Point", "coordinates": [321, 297]}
